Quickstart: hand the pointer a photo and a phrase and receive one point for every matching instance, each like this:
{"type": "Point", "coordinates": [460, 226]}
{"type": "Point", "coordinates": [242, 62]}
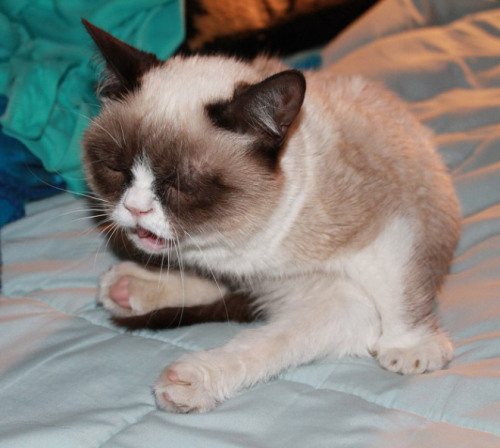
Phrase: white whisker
{"type": "Point", "coordinates": [91, 217]}
{"type": "Point", "coordinates": [123, 134]}
{"type": "Point", "coordinates": [109, 133]}
{"type": "Point", "coordinates": [211, 272]}
{"type": "Point", "coordinates": [181, 272]}
{"type": "Point", "coordinates": [65, 190]}
{"type": "Point", "coordinates": [83, 210]}
{"type": "Point", "coordinates": [110, 232]}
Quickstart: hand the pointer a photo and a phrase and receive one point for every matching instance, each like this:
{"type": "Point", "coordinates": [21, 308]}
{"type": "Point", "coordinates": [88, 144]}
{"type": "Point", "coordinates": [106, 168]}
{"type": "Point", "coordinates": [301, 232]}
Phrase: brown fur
{"type": "Point", "coordinates": [328, 205]}
{"type": "Point", "coordinates": [205, 191]}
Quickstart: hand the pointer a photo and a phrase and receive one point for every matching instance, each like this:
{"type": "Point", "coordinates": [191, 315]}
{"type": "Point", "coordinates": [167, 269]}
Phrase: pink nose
{"type": "Point", "coordinates": [136, 212]}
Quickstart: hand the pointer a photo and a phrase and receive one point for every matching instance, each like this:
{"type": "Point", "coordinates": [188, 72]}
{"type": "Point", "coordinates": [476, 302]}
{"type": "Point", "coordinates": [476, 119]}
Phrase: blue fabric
{"type": "Point", "coordinates": [308, 60]}
{"type": "Point", "coordinates": [22, 176]}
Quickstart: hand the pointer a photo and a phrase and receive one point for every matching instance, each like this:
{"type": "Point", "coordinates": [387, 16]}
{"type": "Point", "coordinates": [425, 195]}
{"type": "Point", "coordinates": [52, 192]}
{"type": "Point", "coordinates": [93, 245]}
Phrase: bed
{"type": "Point", "coordinates": [71, 378]}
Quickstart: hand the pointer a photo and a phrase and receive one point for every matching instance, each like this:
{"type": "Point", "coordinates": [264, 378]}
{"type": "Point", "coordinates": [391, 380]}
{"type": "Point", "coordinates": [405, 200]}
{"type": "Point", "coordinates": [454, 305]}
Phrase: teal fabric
{"type": "Point", "coordinates": [46, 73]}
{"type": "Point", "coordinates": [70, 378]}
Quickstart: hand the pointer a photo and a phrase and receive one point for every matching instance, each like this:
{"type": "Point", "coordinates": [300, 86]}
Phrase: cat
{"type": "Point", "coordinates": [317, 196]}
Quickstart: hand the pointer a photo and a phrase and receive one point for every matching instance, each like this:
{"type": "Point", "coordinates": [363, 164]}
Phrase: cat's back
{"type": "Point", "coordinates": [366, 128]}
{"type": "Point", "coordinates": [372, 162]}
{"type": "Point", "coordinates": [356, 105]}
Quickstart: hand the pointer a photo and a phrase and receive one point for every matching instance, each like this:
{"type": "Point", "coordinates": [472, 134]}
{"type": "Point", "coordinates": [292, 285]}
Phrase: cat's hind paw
{"type": "Point", "coordinates": [430, 354]}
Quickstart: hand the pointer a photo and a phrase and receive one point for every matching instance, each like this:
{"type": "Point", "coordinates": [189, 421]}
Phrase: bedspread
{"type": "Point", "coordinates": [70, 378]}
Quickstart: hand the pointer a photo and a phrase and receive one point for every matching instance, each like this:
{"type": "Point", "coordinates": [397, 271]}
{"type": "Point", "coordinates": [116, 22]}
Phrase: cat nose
{"type": "Point", "coordinates": [136, 211]}
{"type": "Point", "coordinates": [138, 201]}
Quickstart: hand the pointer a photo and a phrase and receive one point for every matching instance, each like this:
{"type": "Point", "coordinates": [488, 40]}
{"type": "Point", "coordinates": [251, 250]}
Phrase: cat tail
{"type": "Point", "coordinates": [234, 307]}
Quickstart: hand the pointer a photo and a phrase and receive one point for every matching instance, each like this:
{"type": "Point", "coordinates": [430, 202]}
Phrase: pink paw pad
{"type": "Point", "coordinates": [173, 376]}
{"type": "Point", "coordinates": [120, 293]}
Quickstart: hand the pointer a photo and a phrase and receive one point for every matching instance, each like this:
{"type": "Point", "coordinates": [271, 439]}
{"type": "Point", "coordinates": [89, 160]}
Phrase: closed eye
{"type": "Point", "coordinates": [113, 168]}
{"type": "Point", "coordinates": [118, 172]}
{"type": "Point", "coordinates": [175, 184]}
{"type": "Point", "coordinates": [182, 189]}
{"type": "Point", "coordinates": [111, 163]}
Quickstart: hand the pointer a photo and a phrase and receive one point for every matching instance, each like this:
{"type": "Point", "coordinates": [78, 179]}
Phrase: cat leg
{"type": "Point", "coordinates": [411, 347]}
{"type": "Point", "coordinates": [411, 340]}
{"type": "Point", "coordinates": [318, 318]}
{"type": "Point", "coordinates": [389, 271]}
{"type": "Point", "coordinates": [128, 289]}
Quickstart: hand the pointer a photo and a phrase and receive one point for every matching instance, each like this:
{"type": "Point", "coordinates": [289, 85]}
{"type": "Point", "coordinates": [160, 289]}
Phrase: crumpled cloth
{"type": "Point", "coordinates": [47, 73]}
{"type": "Point", "coordinates": [22, 177]}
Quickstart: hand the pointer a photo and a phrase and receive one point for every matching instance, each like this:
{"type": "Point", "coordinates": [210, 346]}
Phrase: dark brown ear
{"type": "Point", "coordinates": [266, 109]}
{"type": "Point", "coordinates": [124, 64]}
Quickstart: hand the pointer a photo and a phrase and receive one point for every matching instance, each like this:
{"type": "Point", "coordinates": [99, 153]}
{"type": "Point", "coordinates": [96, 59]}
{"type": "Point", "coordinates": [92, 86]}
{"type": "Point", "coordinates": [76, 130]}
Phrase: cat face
{"type": "Point", "coordinates": [163, 185]}
{"type": "Point", "coordinates": [188, 149]}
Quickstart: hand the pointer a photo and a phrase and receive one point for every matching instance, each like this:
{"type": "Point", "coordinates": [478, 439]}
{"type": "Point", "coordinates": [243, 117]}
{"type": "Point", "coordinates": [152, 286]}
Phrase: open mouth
{"type": "Point", "coordinates": [150, 240]}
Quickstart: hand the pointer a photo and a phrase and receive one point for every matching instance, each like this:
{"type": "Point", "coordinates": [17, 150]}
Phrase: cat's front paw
{"type": "Point", "coordinates": [188, 386]}
{"type": "Point", "coordinates": [122, 292]}
{"type": "Point", "coordinates": [431, 354]}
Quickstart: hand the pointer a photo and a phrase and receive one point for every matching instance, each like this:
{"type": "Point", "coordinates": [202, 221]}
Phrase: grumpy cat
{"type": "Point", "coordinates": [313, 200]}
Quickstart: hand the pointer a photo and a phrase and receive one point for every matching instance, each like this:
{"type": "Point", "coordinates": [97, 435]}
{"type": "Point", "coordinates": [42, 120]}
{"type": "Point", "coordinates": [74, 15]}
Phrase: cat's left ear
{"type": "Point", "coordinates": [125, 64]}
{"type": "Point", "coordinates": [266, 109]}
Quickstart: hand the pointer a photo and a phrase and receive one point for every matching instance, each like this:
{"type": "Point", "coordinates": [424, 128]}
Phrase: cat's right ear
{"type": "Point", "coordinates": [125, 64]}
{"type": "Point", "coordinates": [265, 110]}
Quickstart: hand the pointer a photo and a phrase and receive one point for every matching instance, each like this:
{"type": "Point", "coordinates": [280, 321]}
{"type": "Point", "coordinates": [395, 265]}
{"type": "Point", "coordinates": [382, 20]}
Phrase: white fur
{"type": "Point", "coordinates": [299, 335]}
{"type": "Point", "coordinates": [353, 307]}
{"type": "Point", "coordinates": [352, 303]}
{"type": "Point", "coordinates": [186, 85]}
{"type": "Point", "coordinates": [263, 250]}
{"type": "Point", "coordinates": [140, 197]}
{"type": "Point", "coordinates": [150, 290]}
